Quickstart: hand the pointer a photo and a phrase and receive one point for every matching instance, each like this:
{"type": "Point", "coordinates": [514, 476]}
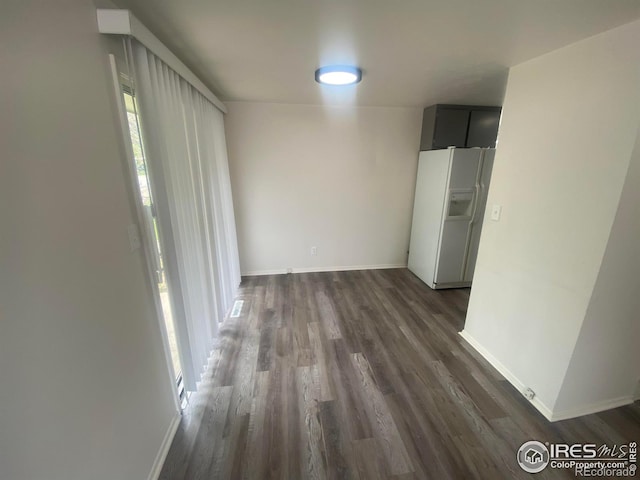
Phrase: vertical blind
{"type": "Point", "coordinates": [184, 142]}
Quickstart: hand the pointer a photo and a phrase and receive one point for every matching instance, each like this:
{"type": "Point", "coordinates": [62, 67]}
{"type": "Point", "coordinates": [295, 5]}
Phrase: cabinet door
{"type": "Point", "coordinates": [483, 128]}
{"type": "Point", "coordinates": [451, 127]}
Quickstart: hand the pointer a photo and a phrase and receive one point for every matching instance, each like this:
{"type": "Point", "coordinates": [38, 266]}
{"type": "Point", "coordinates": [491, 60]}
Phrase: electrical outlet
{"type": "Point", "coordinates": [496, 211]}
{"type": "Point", "coordinates": [314, 251]}
{"type": "Point", "coordinates": [528, 393]}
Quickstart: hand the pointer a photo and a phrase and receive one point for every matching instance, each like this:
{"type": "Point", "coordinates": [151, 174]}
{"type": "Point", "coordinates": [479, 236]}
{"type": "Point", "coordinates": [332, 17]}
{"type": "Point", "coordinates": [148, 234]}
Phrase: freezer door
{"type": "Point", "coordinates": [431, 188]}
{"type": "Point", "coordinates": [456, 228]}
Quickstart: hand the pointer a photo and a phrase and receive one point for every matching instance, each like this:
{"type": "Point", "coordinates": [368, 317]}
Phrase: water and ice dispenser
{"type": "Point", "coordinates": [460, 204]}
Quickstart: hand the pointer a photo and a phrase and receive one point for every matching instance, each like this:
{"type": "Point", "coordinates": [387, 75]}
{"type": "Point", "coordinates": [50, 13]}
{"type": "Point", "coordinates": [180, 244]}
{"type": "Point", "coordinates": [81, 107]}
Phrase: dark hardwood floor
{"type": "Point", "coordinates": [362, 375]}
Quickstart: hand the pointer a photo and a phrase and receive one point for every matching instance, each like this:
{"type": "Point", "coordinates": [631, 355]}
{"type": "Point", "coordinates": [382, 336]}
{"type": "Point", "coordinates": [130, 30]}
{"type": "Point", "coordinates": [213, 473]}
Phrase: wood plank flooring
{"type": "Point", "coordinates": [361, 375]}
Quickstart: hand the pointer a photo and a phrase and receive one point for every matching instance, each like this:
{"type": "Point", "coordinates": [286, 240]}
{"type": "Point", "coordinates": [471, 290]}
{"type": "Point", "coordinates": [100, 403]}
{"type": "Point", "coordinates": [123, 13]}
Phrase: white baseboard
{"type": "Point", "coordinates": [591, 408]}
{"type": "Point", "coordinates": [506, 373]}
{"type": "Point", "coordinates": [164, 447]}
{"type": "Point", "coordinates": [540, 406]}
{"type": "Point", "coordinates": [343, 268]}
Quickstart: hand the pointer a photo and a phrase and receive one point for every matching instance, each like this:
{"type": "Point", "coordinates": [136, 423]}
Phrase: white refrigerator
{"type": "Point", "coordinates": [450, 200]}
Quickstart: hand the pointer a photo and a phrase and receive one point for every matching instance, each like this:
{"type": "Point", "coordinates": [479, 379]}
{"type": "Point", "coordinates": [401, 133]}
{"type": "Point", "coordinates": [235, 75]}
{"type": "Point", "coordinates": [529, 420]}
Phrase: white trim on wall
{"type": "Point", "coordinates": [164, 448]}
{"type": "Point", "coordinates": [322, 269]}
{"type": "Point", "coordinates": [552, 416]}
{"type": "Point", "coordinates": [592, 408]}
{"type": "Point", "coordinates": [122, 22]}
{"type": "Point", "coordinates": [506, 373]}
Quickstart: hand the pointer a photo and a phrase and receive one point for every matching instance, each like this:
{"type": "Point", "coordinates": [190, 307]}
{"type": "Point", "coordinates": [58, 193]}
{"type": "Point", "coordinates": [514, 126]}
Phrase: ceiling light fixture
{"type": "Point", "coordinates": [338, 75]}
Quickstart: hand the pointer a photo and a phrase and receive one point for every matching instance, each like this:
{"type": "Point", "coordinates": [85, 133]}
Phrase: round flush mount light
{"type": "Point", "coordinates": [338, 75]}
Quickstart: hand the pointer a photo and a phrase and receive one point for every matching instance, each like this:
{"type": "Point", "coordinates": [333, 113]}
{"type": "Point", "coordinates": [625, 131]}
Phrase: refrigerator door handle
{"type": "Point", "coordinates": [472, 220]}
{"type": "Point", "coordinates": [475, 203]}
{"type": "Point", "coordinates": [476, 200]}
{"type": "Point", "coordinates": [479, 193]}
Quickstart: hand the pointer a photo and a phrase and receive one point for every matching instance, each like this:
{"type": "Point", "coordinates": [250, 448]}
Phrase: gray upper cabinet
{"type": "Point", "coordinates": [450, 128]}
{"type": "Point", "coordinates": [460, 126]}
{"type": "Point", "coordinates": [483, 128]}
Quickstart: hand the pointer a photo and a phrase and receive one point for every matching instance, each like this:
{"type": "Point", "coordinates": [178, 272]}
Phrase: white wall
{"type": "Point", "coordinates": [84, 389]}
{"type": "Point", "coordinates": [338, 178]}
{"type": "Point", "coordinates": [569, 124]}
{"type": "Point", "coordinates": [605, 367]}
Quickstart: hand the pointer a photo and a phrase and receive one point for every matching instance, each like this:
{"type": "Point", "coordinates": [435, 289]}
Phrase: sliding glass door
{"type": "Point", "coordinates": [151, 228]}
{"type": "Point", "coordinates": [186, 157]}
{"type": "Point", "coordinates": [180, 176]}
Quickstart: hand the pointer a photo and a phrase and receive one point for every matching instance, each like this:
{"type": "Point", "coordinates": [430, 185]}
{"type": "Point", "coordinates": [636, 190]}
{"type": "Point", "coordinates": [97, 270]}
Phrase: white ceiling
{"type": "Point", "coordinates": [412, 52]}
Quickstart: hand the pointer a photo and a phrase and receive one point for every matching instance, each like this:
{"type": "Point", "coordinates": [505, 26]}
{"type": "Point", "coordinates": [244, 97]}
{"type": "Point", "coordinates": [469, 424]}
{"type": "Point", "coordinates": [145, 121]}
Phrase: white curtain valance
{"type": "Point", "coordinates": [123, 22]}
